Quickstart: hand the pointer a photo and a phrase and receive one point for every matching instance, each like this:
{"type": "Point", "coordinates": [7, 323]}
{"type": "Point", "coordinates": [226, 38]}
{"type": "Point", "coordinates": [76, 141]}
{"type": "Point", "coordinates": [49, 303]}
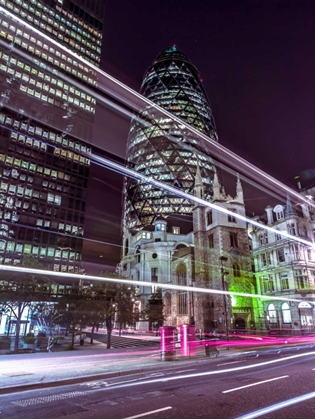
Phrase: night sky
{"type": "Point", "coordinates": [257, 62]}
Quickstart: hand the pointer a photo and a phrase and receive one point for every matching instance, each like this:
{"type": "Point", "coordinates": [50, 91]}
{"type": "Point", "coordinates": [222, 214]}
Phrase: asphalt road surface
{"type": "Point", "coordinates": [274, 384]}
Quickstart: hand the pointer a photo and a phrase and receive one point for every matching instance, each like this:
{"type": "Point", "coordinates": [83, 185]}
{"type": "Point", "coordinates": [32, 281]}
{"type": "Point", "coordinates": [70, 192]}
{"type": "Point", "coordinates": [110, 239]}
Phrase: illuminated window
{"type": "Point", "coordinates": [27, 249]}
{"type": "Point", "coordinates": [284, 281]}
{"type": "Point", "coordinates": [286, 313]}
{"type": "Point", "coordinates": [160, 227]}
{"type": "Point", "coordinates": [301, 278]}
{"type": "Point", "coordinates": [272, 314]}
{"type": "Point", "coordinates": [10, 246]}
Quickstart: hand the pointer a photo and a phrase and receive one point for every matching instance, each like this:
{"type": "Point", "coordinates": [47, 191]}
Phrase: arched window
{"type": "Point", "coordinates": [272, 313]}
{"type": "Point", "coordinates": [167, 303]}
{"type": "Point", "coordinates": [181, 277]}
{"type": "Point", "coordinates": [236, 270]}
{"type": "Point", "coordinates": [286, 313]}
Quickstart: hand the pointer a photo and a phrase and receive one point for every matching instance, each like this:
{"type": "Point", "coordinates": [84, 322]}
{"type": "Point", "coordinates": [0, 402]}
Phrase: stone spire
{"type": "Point", "coordinates": [198, 188]}
{"type": "Point", "coordinates": [216, 187]}
{"type": "Point", "coordinates": [239, 190]}
{"type": "Point", "coordinates": [289, 210]}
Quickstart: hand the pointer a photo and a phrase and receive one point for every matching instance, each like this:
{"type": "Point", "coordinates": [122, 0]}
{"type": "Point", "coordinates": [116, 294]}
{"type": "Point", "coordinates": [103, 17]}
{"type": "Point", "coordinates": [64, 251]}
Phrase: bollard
{"type": "Point", "coordinates": [207, 350]}
{"type": "Point", "coordinates": [167, 343]}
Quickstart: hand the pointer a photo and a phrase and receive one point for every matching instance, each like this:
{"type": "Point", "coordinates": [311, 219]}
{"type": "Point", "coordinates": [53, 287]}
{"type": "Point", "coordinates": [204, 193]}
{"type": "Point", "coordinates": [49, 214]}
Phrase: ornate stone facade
{"type": "Point", "coordinates": [285, 268]}
{"type": "Point", "coordinates": [189, 251]}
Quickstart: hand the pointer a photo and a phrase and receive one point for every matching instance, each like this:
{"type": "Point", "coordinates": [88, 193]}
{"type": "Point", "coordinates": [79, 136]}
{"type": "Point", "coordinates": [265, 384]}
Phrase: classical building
{"type": "Point", "coordinates": [208, 249]}
{"type": "Point", "coordinates": [163, 149]}
{"type": "Point", "coordinates": [46, 120]}
{"type": "Point", "coordinates": [285, 267]}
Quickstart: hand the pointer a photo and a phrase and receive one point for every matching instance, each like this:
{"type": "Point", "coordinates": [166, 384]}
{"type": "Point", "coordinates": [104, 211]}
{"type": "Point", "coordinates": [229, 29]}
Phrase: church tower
{"type": "Point", "coordinates": [222, 262]}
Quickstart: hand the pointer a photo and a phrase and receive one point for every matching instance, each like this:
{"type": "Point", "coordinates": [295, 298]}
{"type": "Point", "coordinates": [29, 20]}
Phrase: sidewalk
{"type": "Point", "coordinates": [90, 362]}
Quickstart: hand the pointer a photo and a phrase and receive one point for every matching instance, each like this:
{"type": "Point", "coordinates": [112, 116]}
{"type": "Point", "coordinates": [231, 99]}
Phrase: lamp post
{"type": "Point", "coordinates": [224, 273]}
{"type": "Point", "coordinates": [192, 307]}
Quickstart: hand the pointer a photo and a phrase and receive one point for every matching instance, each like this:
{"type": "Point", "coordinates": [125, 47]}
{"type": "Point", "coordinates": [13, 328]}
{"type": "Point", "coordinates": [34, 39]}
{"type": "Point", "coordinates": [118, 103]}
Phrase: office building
{"type": "Point", "coordinates": [46, 123]}
{"type": "Point", "coordinates": [163, 149]}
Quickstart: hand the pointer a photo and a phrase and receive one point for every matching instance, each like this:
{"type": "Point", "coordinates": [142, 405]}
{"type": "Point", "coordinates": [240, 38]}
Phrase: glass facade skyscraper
{"type": "Point", "coordinates": [163, 149]}
{"type": "Point", "coordinates": [46, 122]}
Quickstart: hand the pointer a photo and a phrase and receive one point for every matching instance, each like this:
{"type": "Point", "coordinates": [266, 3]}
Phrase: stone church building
{"type": "Point", "coordinates": [208, 249]}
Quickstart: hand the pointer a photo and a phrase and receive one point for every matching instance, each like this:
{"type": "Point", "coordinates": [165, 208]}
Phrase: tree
{"type": "Point", "coordinates": [154, 310]}
{"type": "Point", "coordinates": [73, 308]}
{"type": "Point", "coordinates": [119, 304]}
{"type": "Point", "coordinates": [19, 291]}
{"type": "Point", "coordinates": [103, 310]}
{"type": "Point", "coordinates": [101, 302]}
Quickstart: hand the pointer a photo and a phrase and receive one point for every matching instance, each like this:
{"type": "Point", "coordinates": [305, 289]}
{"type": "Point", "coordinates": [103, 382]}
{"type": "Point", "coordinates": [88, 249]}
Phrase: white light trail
{"type": "Point", "coordinates": [254, 384]}
{"type": "Point", "coordinates": [141, 283]}
{"type": "Point", "coordinates": [226, 155]}
{"type": "Point", "coordinates": [284, 404]}
{"type": "Point", "coordinates": [137, 175]}
{"type": "Point", "coordinates": [211, 373]}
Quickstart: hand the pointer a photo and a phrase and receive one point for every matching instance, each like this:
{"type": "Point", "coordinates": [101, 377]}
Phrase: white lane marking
{"type": "Point", "coordinates": [256, 383]}
{"type": "Point", "coordinates": [156, 374]}
{"type": "Point", "coordinates": [186, 370]}
{"type": "Point", "coordinates": [123, 382]}
{"type": "Point", "coordinates": [228, 363]}
{"type": "Point", "coordinates": [149, 412]}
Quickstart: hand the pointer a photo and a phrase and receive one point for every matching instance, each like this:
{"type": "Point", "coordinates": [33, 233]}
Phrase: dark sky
{"type": "Point", "coordinates": [257, 62]}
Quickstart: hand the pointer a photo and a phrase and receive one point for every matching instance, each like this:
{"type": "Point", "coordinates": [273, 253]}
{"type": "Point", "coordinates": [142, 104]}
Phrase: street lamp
{"type": "Point", "coordinates": [192, 306]}
{"type": "Point", "coordinates": [224, 273]}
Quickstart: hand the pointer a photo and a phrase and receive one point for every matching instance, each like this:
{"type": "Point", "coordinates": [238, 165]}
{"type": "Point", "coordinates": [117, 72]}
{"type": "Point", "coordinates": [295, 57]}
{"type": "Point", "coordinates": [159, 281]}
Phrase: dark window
{"type": "Point", "coordinates": [231, 218]}
{"type": "Point", "coordinates": [211, 241]}
{"type": "Point", "coordinates": [181, 274]}
{"type": "Point", "coordinates": [126, 246]}
{"type": "Point", "coordinates": [209, 217]}
{"type": "Point", "coordinates": [233, 239]}
{"type": "Point", "coordinates": [154, 275]}
{"type": "Point", "coordinates": [281, 256]}
{"type": "Point", "coordinates": [236, 270]}
{"type": "Point", "coordinates": [138, 256]}
{"type": "Point", "coordinates": [167, 300]}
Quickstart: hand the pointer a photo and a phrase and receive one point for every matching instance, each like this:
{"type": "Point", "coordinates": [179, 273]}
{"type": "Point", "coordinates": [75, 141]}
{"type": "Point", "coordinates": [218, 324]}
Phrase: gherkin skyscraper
{"type": "Point", "coordinates": [163, 149]}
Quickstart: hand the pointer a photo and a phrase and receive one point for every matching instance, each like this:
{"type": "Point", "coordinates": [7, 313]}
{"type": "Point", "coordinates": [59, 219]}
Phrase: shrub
{"type": "Point", "coordinates": [29, 338]}
{"type": "Point", "coordinates": [58, 337]}
{"type": "Point", "coordinates": [69, 347]}
{"type": "Point", "coordinates": [5, 342]}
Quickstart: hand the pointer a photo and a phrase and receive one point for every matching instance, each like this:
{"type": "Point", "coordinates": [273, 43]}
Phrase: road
{"type": "Point", "coordinates": [230, 387]}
